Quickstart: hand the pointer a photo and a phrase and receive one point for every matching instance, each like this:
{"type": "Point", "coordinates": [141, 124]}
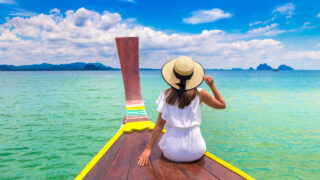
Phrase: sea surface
{"type": "Point", "coordinates": [53, 123]}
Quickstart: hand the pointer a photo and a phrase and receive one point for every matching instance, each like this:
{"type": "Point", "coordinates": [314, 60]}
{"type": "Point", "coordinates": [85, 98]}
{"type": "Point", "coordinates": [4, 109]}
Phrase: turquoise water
{"type": "Point", "coordinates": [53, 123]}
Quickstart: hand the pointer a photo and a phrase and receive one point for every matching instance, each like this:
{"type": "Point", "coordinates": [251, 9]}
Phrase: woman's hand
{"type": "Point", "coordinates": [144, 157]}
{"type": "Point", "coordinates": [209, 80]}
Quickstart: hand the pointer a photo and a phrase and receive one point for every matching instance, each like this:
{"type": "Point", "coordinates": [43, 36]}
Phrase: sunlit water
{"type": "Point", "coordinates": [53, 123]}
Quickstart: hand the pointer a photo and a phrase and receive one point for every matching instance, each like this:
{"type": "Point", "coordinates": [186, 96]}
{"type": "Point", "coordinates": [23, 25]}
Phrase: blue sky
{"type": "Point", "coordinates": [218, 34]}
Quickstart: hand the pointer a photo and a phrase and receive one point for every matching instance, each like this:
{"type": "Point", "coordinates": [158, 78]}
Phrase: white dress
{"type": "Point", "coordinates": [183, 141]}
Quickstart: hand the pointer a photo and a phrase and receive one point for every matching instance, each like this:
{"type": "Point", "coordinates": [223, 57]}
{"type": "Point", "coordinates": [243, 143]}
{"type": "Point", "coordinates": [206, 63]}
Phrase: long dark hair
{"type": "Point", "coordinates": [173, 97]}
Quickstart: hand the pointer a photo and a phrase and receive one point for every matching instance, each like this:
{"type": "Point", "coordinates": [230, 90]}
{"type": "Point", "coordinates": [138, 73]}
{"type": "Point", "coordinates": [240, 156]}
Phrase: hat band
{"type": "Point", "coordinates": [182, 83]}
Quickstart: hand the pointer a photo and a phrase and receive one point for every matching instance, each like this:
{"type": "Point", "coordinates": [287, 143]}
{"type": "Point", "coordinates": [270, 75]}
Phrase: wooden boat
{"type": "Point", "coordinates": [118, 158]}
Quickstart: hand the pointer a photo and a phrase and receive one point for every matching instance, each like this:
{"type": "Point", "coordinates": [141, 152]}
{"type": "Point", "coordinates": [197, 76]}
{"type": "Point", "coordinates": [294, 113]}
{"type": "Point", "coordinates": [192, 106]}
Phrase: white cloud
{"type": "Point", "coordinates": [7, 35]}
{"type": "Point", "coordinates": [88, 36]}
{"type": "Point", "coordinates": [302, 55]}
{"type": "Point", "coordinates": [206, 16]}
{"type": "Point", "coordinates": [270, 20]}
{"type": "Point", "coordinates": [318, 15]}
{"type": "Point", "coordinates": [21, 12]}
{"type": "Point", "coordinates": [54, 10]}
{"type": "Point", "coordinates": [8, 2]}
{"type": "Point", "coordinates": [286, 9]}
{"type": "Point", "coordinates": [269, 30]}
{"type": "Point", "coordinates": [272, 29]}
{"type": "Point", "coordinates": [255, 23]}
{"type": "Point", "coordinates": [307, 25]}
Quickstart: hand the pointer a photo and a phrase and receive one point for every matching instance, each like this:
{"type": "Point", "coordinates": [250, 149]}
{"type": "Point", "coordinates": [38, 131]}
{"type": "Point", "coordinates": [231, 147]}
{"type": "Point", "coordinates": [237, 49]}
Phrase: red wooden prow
{"type": "Point", "coordinates": [128, 51]}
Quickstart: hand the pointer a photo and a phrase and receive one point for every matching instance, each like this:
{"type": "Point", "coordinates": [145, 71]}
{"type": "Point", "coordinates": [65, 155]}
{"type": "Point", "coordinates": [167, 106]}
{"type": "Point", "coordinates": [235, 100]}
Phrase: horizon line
{"type": "Point", "coordinates": [119, 68]}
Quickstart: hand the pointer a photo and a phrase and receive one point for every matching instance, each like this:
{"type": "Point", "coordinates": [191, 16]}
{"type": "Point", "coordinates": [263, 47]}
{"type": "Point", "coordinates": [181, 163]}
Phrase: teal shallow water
{"type": "Point", "coordinates": [53, 123]}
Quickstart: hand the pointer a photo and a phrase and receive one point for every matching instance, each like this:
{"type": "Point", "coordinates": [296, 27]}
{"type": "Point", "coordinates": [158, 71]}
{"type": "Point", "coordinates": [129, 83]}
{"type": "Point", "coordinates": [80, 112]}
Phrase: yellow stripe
{"type": "Point", "coordinates": [128, 127]}
{"type": "Point", "coordinates": [134, 107]}
{"type": "Point", "coordinates": [96, 158]}
{"type": "Point", "coordinates": [229, 166]}
{"type": "Point", "coordinates": [139, 126]}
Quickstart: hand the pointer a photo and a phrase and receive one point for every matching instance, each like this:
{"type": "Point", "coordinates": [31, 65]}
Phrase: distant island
{"type": "Point", "coordinates": [81, 66]}
{"type": "Point", "coordinates": [77, 66]}
{"type": "Point", "coordinates": [236, 69]}
{"type": "Point", "coordinates": [285, 67]}
{"type": "Point", "coordinates": [265, 66]}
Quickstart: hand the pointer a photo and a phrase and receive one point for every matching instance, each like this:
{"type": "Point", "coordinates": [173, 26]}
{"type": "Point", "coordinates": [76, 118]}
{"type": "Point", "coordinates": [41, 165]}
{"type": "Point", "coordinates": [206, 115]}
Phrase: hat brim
{"type": "Point", "coordinates": [170, 78]}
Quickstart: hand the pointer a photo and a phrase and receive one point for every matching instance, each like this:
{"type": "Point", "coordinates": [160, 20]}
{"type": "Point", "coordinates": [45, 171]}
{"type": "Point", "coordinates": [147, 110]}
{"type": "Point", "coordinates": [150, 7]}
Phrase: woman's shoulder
{"type": "Point", "coordinates": [163, 94]}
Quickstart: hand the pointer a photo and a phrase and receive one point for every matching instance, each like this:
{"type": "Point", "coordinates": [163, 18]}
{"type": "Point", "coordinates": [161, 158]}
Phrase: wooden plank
{"type": "Point", "coordinates": [123, 163]}
{"type": "Point", "coordinates": [217, 169]}
{"type": "Point", "coordinates": [99, 170]}
{"type": "Point", "coordinates": [136, 172]}
{"type": "Point", "coordinates": [193, 171]}
{"type": "Point", "coordinates": [163, 168]}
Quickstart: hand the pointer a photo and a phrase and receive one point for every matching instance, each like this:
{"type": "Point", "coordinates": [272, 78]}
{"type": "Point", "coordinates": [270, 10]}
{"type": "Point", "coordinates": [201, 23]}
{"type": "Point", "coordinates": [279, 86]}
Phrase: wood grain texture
{"type": "Point", "coordinates": [136, 172]}
{"type": "Point", "coordinates": [124, 164]}
{"type": "Point", "coordinates": [120, 162]}
{"type": "Point", "coordinates": [217, 169]}
{"type": "Point", "coordinates": [194, 171]}
{"type": "Point", "coordinates": [98, 171]}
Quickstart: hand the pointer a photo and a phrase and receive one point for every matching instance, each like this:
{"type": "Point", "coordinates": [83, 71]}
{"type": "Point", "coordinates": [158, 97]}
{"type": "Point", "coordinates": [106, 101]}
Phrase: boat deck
{"type": "Point", "coordinates": [120, 162]}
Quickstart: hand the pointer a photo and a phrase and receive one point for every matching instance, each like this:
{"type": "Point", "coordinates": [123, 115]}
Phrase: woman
{"type": "Point", "coordinates": [179, 108]}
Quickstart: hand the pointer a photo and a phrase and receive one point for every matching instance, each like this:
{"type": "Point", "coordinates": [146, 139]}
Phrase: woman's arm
{"type": "Point", "coordinates": [144, 157]}
{"type": "Point", "coordinates": [215, 102]}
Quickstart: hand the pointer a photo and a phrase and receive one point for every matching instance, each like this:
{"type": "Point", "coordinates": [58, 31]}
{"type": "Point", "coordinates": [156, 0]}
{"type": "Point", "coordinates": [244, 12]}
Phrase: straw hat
{"type": "Point", "coordinates": [183, 67]}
